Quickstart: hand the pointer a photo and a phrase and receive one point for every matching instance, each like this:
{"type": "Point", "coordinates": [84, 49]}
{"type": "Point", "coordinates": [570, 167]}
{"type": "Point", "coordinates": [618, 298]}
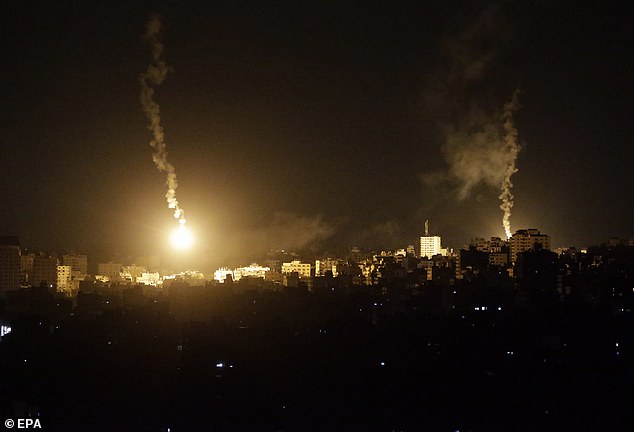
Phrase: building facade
{"type": "Point", "coordinates": [526, 240]}
{"type": "Point", "coordinates": [64, 279]}
{"type": "Point", "coordinates": [303, 269]}
{"type": "Point", "coordinates": [430, 246]}
{"type": "Point", "coordinates": [10, 269]}
{"type": "Point", "coordinates": [78, 263]}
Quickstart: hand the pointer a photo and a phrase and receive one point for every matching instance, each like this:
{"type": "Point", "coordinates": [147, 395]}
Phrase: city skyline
{"type": "Point", "coordinates": [314, 127]}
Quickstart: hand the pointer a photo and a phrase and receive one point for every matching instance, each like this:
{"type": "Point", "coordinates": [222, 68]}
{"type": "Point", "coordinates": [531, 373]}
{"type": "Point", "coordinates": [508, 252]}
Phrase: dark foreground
{"type": "Point", "coordinates": [293, 361]}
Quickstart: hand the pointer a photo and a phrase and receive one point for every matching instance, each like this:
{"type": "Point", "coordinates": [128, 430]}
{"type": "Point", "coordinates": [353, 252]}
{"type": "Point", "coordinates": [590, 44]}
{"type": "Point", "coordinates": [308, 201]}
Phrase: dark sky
{"type": "Point", "coordinates": [310, 124]}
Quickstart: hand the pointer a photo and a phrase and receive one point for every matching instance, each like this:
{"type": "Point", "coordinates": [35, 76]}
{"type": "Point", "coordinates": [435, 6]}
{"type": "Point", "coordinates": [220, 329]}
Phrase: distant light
{"type": "Point", "coordinates": [499, 308]}
{"type": "Point", "coordinates": [220, 365]}
{"type": "Point", "coordinates": [382, 363]}
{"type": "Point", "coordinates": [5, 330]}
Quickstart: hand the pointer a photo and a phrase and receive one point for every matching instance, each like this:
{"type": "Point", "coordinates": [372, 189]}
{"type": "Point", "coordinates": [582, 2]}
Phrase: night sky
{"type": "Point", "coordinates": [311, 126]}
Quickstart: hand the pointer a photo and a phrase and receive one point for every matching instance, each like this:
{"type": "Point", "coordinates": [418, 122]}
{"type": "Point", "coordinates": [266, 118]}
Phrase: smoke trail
{"type": "Point", "coordinates": [511, 148]}
{"type": "Point", "coordinates": [153, 77]}
{"type": "Point", "coordinates": [479, 141]}
{"type": "Point", "coordinates": [482, 149]}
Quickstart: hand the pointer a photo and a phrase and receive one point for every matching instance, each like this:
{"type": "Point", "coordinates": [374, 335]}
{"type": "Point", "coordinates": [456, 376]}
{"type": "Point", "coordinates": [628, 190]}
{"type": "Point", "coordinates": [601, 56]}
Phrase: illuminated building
{"type": "Point", "coordinates": [302, 269]}
{"type": "Point", "coordinates": [189, 277]}
{"type": "Point", "coordinates": [221, 274]}
{"type": "Point", "coordinates": [153, 279]}
{"type": "Point", "coordinates": [64, 278]}
{"type": "Point", "coordinates": [9, 263]}
{"type": "Point", "coordinates": [254, 270]}
{"type": "Point", "coordinates": [131, 273]}
{"type": "Point", "coordinates": [495, 244]}
{"type": "Point", "coordinates": [327, 264]}
{"type": "Point", "coordinates": [526, 240]}
{"type": "Point", "coordinates": [430, 245]}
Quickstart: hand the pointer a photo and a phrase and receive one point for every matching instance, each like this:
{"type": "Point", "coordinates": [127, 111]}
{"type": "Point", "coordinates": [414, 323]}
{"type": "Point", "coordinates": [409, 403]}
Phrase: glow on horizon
{"type": "Point", "coordinates": [182, 238]}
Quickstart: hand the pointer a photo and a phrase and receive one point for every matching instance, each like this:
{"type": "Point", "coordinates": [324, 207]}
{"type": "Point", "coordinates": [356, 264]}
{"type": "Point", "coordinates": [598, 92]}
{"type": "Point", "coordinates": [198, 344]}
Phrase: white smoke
{"type": "Point", "coordinates": [511, 149]}
{"type": "Point", "coordinates": [480, 143]}
{"type": "Point", "coordinates": [153, 76]}
{"type": "Point", "coordinates": [483, 150]}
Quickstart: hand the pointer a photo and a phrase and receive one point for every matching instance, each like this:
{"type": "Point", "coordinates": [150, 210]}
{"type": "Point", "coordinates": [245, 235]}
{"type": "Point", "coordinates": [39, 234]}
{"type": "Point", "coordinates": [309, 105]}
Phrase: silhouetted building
{"type": "Point", "coordinates": [44, 269]}
{"type": "Point", "coordinates": [151, 262]}
{"type": "Point", "coordinates": [497, 250]}
{"type": "Point", "coordinates": [10, 273]}
{"type": "Point", "coordinates": [525, 240]}
{"type": "Point", "coordinates": [78, 263]}
{"type": "Point", "coordinates": [537, 272]}
{"type": "Point", "coordinates": [112, 270]}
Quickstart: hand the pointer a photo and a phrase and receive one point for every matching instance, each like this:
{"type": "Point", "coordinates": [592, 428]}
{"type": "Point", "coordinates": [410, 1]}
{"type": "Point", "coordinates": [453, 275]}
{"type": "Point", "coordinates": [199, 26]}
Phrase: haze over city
{"type": "Point", "coordinates": [316, 127]}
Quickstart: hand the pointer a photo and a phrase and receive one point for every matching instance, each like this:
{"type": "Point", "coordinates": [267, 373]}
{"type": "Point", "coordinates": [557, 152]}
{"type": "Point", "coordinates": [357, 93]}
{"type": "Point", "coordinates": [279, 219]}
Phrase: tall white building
{"type": "Point", "coordinates": [430, 246]}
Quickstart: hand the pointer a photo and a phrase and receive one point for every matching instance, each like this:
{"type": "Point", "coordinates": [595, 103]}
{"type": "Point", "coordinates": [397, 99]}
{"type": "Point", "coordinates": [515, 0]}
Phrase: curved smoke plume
{"type": "Point", "coordinates": [153, 76]}
{"type": "Point", "coordinates": [480, 143]}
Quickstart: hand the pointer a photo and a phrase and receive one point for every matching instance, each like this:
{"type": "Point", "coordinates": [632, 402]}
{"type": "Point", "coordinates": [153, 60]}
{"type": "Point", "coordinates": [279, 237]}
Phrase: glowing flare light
{"type": "Point", "coordinates": [182, 238]}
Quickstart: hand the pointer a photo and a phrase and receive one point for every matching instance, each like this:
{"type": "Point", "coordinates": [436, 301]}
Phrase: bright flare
{"type": "Point", "coordinates": [182, 238]}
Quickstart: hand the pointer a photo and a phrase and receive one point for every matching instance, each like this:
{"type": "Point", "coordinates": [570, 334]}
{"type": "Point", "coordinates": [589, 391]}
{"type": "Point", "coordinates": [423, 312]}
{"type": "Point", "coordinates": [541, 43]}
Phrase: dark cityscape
{"type": "Point", "coordinates": [330, 216]}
